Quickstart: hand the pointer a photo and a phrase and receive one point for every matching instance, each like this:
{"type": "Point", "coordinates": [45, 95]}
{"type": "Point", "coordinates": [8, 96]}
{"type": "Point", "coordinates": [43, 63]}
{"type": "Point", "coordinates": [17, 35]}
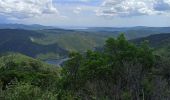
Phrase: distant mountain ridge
{"type": "Point", "coordinates": [26, 27]}
{"type": "Point", "coordinates": [88, 29]}
{"type": "Point", "coordinates": [33, 40]}
{"type": "Point", "coordinates": [130, 32]}
{"type": "Point", "coordinates": [127, 28]}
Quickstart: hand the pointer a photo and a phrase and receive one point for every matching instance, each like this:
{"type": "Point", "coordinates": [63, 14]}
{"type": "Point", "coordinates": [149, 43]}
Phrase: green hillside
{"type": "Point", "coordinates": [122, 71]}
{"type": "Point", "coordinates": [87, 39]}
{"type": "Point", "coordinates": [160, 42]}
{"type": "Point", "coordinates": [21, 41]}
{"type": "Point", "coordinates": [72, 40]}
{"type": "Point", "coordinates": [55, 43]}
{"type": "Point", "coordinates": [21, 75]}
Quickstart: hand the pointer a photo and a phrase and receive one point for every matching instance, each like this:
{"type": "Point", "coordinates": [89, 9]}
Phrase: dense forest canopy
{"type": "Point", "coordinates": [120, 71]}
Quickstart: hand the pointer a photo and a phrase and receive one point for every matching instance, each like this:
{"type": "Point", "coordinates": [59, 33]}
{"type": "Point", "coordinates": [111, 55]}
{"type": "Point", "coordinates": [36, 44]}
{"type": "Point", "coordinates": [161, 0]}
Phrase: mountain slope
{"type": "Point", "coordinates": [160, 43]}
{"type": "Point", "coordinates": [158, 40]}
{"type": "Point", "coordinates": [85, 39]}
{"type": "Point", "coordinates": [21, 73]}
{"type": "Point", "coordinates": [15, 40]}
{"type": "Point", "coordinates": [71, 40]}
{"type": "Point", "coordinates": [59, 41]}
{"type": "Point", "coordinates": [130, 32]}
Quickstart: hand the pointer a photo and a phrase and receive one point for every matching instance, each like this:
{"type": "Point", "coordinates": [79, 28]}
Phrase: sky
{"type": "Point", "coordinates": [86, 13]}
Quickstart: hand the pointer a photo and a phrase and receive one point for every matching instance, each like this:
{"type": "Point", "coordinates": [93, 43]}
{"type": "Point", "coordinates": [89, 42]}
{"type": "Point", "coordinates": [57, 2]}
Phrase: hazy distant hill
{"type": "Point", "coordinates": [125, 29]}
{"type": "Point", "coordinates": [130, 32]}
{"type": "Point", "coordinates": [26, 27]}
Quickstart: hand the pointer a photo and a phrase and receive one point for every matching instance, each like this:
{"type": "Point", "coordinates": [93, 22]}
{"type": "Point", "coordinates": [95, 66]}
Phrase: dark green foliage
{"type": "Point", "coordinates": [122, 71]}
{"type": "Point", "coordinates": [159, 40]}
{"type": "Point", "coordinates": [26, 91]}
{"type": "Point", "coordinates": [160, 43]}
{"type": "Point", "coordinates": [32, 76]}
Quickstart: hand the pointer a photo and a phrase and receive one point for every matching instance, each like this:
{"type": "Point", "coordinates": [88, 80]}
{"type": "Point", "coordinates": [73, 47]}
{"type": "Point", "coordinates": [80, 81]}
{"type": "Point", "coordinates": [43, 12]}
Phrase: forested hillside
{"type": "Point", "coordinates": [21, 41]}
{"type": "Point", "coordinates": [159, 40]}
{"type": "Point", "coordinates": [72, 40]}
{"type": "Point", "coordinates": [22, 77]}
{"type": "Point", "coordinates": [56, 43]}
{"type": "Point", "coordinates": [160, 43]}
{"type": "Point", "coordinates": [84, 50]}
{"type": "Point", "coordinates": [122, 71]}
{"type": "Point", "coordinates": [85, 39]}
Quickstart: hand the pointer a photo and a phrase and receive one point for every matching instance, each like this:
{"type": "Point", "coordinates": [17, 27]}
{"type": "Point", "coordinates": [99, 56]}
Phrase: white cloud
{"type": "Point", "coordinates": [26, 8]}
{"type": "Point", "coordinates": [84, 9]}
{"type": "Point", "coordinates": [133, 7]}
{"type": "Point", "coordinates": [77, 10]}
{"type": "Point", "coordinates": [85, 0]}
{"type": "Point", "coordinates": [162, 5]}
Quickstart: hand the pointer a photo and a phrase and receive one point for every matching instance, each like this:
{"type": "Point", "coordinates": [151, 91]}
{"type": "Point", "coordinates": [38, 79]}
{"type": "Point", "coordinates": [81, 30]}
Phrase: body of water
{"type": "Point", "coordinates": [57, 62]}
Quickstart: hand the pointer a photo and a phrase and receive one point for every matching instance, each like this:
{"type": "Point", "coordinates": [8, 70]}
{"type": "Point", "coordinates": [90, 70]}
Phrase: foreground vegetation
{"type": "Point", "coordinates": [120, 71]}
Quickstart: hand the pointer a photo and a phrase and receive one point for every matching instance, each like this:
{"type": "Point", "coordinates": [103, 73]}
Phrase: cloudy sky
{"type": "Point", "coordinates": [107, 13]}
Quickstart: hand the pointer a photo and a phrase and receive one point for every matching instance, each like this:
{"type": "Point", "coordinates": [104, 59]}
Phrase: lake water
{"type": "Point", "coordinates": [57, 62]}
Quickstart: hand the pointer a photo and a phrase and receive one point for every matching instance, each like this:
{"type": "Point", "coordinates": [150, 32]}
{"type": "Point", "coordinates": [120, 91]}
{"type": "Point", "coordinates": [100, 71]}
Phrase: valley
{"type": "Point", "coordinates": [56, 43]}
{"type": "Point", "coordinates": [64, 63]}
{"type": "Point", "coordinates": [84, 50]}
